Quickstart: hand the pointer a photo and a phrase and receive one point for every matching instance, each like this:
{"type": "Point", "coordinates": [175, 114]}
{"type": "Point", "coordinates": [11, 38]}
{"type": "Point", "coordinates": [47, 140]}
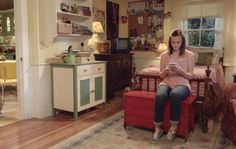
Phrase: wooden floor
{"type": "Point", "coordinates": [43, 133]}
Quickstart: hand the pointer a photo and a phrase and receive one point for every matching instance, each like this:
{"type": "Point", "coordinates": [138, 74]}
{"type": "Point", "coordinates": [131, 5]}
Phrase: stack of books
{"type": "Point", "coordinates": [86, 11]}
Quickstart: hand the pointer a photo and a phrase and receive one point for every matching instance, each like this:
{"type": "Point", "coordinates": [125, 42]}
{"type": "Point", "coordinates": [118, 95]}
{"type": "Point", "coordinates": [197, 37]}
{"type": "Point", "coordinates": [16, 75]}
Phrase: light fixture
{"type": "Point", "coordinates": [97, 27]}
{"type": "Point", "coordinates": [97, 30]}
{"type": "Point", "coordinates": [162, 47]}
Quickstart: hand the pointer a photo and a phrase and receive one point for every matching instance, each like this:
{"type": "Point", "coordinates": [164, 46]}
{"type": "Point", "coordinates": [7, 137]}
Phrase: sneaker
{"type": "Point", "coordinates": [171, 135]}
{"type": "Point", "coordinates": [157, 135]}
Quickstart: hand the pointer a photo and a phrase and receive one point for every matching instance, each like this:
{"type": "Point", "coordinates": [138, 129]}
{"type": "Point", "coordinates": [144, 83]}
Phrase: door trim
{"type": "Point", "coordinates": [22, 42]}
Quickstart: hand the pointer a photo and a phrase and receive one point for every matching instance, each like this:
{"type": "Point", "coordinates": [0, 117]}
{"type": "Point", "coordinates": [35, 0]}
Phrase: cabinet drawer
{"type": "Point", "coordinates": [83, 70]}
{"type": "Point", "coordinates": [98, 68]}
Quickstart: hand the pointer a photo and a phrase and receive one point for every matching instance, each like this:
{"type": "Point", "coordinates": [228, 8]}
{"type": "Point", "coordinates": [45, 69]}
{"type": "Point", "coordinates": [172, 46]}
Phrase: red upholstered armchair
{"type": "Point", "coordinates": [229, 112]}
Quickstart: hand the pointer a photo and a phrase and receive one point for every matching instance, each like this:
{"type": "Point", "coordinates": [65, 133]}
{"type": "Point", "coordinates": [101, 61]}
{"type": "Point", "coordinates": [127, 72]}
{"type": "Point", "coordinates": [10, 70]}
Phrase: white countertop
{"type": "Point", "coordinates": [8, 61]}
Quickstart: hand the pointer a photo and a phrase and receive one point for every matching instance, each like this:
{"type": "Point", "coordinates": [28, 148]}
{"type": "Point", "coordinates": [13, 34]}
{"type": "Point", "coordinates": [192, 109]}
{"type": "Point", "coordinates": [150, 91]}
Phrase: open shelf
{"type": "Point", "coordinates": [70, 35]}
{"type": "Point", "coordinates": [61, 13]}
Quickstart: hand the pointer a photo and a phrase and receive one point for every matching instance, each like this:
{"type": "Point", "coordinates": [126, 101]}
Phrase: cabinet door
{"type": "Point", "coordinates": [63, 88]}
{"type": "Point", "coordinates": [84, 92]}
{"type": "Point", "coordinates": [99, 87]}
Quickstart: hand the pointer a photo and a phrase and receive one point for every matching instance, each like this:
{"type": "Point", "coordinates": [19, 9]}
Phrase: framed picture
{"type": "Point", "coordinates": [146, 24]}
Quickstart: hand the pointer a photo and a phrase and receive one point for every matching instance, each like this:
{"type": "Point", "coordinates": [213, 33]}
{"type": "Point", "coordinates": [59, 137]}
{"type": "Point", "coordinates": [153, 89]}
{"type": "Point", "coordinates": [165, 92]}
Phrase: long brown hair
{"type": "Point", "coordinates": [176, 33]}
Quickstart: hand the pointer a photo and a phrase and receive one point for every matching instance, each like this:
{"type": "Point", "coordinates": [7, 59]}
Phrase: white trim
{"type": "Point", "coordinates": [22, 52]}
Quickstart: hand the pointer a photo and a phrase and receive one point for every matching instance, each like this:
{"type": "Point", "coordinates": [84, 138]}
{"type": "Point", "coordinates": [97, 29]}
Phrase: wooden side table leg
{"type": "Point", "coordinates": [204, 123]}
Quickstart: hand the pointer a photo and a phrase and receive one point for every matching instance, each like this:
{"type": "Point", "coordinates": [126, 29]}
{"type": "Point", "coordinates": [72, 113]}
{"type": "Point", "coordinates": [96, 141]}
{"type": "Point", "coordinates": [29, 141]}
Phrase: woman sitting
{"type": "Point", "coordinates": [176, 70]}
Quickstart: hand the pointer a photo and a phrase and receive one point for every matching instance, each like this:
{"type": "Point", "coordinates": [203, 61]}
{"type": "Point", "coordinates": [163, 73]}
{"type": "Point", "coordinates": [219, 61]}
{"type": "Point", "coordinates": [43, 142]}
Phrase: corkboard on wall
{"type": "Point", "coordinates": [146, 24]}
{"type": "Point", "coordinates": [139, 23]}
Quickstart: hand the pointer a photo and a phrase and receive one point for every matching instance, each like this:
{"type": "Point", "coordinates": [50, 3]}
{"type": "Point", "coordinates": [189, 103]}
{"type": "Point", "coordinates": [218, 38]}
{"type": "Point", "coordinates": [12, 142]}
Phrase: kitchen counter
{"type": "Point", "coordinates": [8, 61]}
{"type": "Point", "coordinates": [8, 69]}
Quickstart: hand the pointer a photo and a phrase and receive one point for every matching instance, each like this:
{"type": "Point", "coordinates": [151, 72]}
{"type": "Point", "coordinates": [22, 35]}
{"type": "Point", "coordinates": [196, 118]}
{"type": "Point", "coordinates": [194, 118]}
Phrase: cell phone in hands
{"type": "Point", "coordinates": [173, 65]}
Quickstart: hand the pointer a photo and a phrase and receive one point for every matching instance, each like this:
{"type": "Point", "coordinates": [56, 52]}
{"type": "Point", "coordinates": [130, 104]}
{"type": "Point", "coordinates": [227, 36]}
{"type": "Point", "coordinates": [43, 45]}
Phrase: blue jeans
{"type": "Point", "coordinates": [176, 96]}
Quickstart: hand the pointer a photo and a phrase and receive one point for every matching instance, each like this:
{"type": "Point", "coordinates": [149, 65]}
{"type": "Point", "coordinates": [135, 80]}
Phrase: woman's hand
{"type": "Point", "coordinates": [176, 68]}
{"type": "Point", "coordinates": [180, 71]}
{"type": "Point", "coordinates": [167, 69]}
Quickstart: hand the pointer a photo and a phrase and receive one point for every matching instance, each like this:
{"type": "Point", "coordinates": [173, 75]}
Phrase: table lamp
{"type": "Point", "coordinates": [162, 47]}
{"type": "Point", "coordinates": [97, 29]}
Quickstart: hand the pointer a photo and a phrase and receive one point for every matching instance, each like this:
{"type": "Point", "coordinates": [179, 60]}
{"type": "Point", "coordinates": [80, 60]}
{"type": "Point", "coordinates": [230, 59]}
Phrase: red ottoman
{"type": "Point", "coordinates": [139, 111]}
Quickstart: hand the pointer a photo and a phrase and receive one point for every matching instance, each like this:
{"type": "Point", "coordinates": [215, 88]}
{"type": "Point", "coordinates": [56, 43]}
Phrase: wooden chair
{"type": "Point", "coordinates": [7, 76]}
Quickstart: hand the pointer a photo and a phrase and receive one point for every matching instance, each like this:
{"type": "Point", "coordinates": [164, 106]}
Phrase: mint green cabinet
{"type": "Point", "coordinates": [77, 87]}
{"type": "Point", "coordinates": [91, 88]}
{"type": "Point", "coordinates": [84, 92]}
{"type": "Point", "coordinates": [99, 87]}
{"type": "Point", "coordinates": [7, 24]}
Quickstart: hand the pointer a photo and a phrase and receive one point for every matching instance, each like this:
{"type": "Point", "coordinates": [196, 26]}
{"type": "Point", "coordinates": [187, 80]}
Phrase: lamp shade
{"type": "Point", "coordinates": [162, 47]}
{"type": "Point", "coordinates": [97, 27]}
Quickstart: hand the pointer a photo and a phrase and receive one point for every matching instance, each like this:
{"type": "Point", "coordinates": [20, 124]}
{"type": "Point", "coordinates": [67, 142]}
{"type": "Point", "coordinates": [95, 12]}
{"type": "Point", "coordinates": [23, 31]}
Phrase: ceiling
{"type": "Point", "coordinates": [6, 4]}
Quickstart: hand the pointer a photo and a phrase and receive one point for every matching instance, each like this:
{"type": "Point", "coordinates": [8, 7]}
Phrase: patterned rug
{"type": "Point", "coordinates": [110, 134]}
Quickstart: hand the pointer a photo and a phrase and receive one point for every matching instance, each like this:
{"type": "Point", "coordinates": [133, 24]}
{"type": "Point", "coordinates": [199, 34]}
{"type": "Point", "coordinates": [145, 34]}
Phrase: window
{"type": "Point", "coordinates": [201, 32]}
{"type": "Point", "coordinates": [8, 24]}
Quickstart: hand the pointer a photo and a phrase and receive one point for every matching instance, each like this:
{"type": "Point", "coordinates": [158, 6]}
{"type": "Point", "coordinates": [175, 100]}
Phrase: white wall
{"type": "Point", "coordinates": [42, 93]}
{"type": "Point", "coordinates": [142, 62]}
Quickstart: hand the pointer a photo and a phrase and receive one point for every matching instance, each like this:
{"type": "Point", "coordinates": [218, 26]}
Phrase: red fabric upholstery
{"type": "Point", "coordinates": [139, 111]}
{"type": "Point", "coordinates": [229, 112]}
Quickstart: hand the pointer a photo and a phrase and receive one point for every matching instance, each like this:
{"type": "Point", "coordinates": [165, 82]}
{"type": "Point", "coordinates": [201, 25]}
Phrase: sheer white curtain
{"type": "Point", "coordinates": [226, 24]}
{"type": "Point", "coordinates": [230, 33]}
{"type": "Point", "coordinates": [184, 9]}
{"type": "Point", "coordinates": [179, 10]}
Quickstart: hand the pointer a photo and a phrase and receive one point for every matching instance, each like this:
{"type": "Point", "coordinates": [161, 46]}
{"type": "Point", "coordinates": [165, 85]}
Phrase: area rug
{"type": "Point", "coordinates": [110, 134]}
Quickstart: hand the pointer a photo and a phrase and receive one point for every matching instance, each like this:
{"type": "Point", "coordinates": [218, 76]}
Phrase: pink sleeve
{"type": "Point", "coordinates": [163, 61]}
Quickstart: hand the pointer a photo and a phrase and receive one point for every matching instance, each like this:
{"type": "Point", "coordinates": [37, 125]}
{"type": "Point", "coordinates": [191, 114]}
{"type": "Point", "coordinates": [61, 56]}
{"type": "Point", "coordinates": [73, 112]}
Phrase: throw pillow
{"type": "Point", "coordinates": [150, 71]}
{"type": "Point", "coordinates": [205, 58]}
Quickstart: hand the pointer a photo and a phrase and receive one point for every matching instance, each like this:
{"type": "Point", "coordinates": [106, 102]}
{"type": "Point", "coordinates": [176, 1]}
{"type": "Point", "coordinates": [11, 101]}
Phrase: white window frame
{"type": "Point", "coordinates": [217, 29]}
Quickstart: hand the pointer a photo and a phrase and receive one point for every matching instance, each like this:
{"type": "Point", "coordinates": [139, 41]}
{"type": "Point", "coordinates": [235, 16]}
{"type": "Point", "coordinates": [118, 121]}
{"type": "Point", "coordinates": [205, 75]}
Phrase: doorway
{"type": "Point", "coordinates": [9, 105]}
{"type": "Point", "coordinates": [113, 17]}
